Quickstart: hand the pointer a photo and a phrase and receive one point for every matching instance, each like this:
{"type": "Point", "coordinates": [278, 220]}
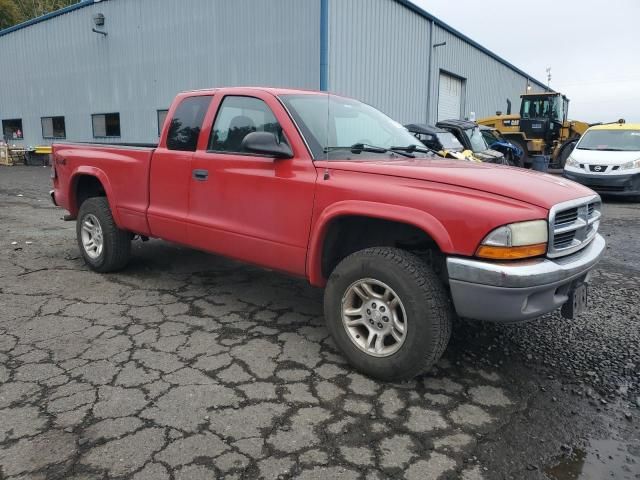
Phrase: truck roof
{"type": "Point", "coordinates": [273, 90]}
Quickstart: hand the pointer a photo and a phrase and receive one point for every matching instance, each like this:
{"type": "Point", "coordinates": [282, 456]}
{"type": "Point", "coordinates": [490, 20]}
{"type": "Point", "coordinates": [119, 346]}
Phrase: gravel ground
{"type": "Point", "coordinates": [188, 366]}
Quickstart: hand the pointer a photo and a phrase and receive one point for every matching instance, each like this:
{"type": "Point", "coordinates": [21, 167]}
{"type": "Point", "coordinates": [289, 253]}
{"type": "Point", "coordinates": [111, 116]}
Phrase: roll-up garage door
{"type": "Point", "coordinates": [449, 97]}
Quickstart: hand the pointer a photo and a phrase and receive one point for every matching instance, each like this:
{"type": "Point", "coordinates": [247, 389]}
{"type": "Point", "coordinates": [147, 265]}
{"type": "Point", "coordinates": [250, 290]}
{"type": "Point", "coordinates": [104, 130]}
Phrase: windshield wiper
{"type": "Point", "coordinates": [414, 148]}
{"type": "Point", "coordinates": [363, 147]}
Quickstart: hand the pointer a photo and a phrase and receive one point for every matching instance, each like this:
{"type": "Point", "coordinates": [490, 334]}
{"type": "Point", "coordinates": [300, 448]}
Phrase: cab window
{"type": "Point", "coordinates": [237, 117]}
{"type": "Point", "coordinates": [186, 123]}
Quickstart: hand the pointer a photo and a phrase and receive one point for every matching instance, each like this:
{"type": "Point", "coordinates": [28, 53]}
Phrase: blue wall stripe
{"type": "Point", "coordinates": [324, 44]}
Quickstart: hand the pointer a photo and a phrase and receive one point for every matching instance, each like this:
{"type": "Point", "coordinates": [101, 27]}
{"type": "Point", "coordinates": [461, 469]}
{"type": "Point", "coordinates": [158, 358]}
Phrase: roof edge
{"type": "Point", "coordinates": [407, 3]}
{"type": "Point", "coordinates": [423, 13]}
{"type": "Point", "coordinates": [48, 16]}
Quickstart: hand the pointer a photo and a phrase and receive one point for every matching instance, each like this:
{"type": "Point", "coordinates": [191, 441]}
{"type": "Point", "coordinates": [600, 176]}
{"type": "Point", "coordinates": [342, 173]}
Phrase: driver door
{"type": "Point", "coordinates": [249, 206]}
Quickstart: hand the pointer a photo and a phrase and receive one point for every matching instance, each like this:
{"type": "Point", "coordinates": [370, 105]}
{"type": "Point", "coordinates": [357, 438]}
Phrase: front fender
{"type": "Point", "coordinates": [418, 218]}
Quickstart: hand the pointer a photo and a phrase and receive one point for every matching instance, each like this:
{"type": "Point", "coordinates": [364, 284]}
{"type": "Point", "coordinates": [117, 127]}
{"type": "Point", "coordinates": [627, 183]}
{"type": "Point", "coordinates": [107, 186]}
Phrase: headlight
{"type": "Point", "coordinates": [630, 165]}
{"type": "Point", "coordinates": [516, 240]}
{"type": "Point", "coordinates": [572, 162]}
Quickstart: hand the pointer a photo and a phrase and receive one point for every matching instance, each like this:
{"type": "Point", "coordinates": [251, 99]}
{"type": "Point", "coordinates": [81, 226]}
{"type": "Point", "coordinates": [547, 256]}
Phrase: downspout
{"type": "Point", "coordinates": [324, 44]}
{"type": "Point", "coordinates": [429, 72]}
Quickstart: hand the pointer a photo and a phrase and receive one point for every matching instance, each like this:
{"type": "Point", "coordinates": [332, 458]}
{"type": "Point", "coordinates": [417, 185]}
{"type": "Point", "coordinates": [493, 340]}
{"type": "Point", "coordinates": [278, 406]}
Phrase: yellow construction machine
{"type": "Point", "coordinates": [541, 128]}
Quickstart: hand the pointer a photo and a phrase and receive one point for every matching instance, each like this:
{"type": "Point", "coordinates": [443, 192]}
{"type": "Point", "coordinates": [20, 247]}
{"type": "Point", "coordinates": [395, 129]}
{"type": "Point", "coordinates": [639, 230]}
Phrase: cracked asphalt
{"type": "Point", "coordinates": [190, 366]}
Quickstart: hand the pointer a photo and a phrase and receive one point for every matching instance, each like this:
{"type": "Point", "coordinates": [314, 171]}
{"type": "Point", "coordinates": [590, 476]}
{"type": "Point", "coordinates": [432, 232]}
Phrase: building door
{"type": "Point", "coordinates": [449, 97]}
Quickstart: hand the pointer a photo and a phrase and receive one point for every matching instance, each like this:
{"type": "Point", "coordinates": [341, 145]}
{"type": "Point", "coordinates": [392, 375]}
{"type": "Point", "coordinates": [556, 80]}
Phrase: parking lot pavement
{"type": "Point", "coordinates": [189, 366]}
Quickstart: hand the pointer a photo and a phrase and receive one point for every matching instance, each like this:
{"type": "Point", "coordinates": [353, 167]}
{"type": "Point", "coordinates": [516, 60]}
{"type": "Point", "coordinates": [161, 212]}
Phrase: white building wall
{"type": "Point", "coordinates": [379, 52]}
{"type": "Point", "coordinates": [153, 50]}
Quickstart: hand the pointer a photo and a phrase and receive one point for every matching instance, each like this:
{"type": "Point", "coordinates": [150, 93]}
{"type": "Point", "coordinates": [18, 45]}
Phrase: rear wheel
{"type": "Point", "coordinates": [388, 312]}
{"type": "Point", "coordinates": [104, 247]}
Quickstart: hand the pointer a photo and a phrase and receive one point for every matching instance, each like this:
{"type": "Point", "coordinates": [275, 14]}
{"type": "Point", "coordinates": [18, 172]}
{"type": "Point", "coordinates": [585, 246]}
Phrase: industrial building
{"type": "Point", "coordinates": [108, 70]}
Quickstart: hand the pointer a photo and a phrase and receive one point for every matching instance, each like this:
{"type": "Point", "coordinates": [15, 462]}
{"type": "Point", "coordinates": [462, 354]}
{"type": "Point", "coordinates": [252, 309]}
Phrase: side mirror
{"type": "Point", "coordinates": [266, 143]}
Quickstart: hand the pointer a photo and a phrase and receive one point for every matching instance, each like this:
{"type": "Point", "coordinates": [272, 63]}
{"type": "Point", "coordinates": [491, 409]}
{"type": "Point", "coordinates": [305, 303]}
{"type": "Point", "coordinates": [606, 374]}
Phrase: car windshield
{"type": "Point", "coordinates": [611, 140]}
{"type": "Point", "coordinates": [331, 125]}
{"type": "Point", "coordinates": [449, 141]}
{"type": "Point", "coordinates": [476, 139]}
{"type": "Point", "coordinates": [490, 137]}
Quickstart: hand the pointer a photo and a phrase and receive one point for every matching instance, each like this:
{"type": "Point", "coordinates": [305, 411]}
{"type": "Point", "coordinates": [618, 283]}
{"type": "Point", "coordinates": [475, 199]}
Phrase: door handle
{"type": "Point", "coordinates": [201, 175]}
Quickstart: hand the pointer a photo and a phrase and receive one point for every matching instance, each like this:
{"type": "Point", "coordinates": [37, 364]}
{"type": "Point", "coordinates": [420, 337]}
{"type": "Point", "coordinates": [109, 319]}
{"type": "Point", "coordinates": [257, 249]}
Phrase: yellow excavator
{"type": "Point", "coordinates": [541, 128]}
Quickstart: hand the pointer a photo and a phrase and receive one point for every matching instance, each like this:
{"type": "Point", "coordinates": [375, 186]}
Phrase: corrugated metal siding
{"type": "Point", "coordinates": [488, 83]}
{"type": "Point", "coordinates": [154, 49]}
{"type": "Point", "coordinates": [378, 53]}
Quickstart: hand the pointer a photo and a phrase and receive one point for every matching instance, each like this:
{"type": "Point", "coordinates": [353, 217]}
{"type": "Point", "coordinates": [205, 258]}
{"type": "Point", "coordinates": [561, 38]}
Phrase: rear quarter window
{"type": "Point", "coordinates": [186, 123]}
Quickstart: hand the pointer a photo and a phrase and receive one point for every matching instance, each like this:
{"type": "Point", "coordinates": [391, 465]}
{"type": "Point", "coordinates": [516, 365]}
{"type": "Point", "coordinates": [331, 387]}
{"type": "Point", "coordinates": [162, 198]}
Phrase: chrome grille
{"type": "Point", "coordinates": [563, 240]}
{"type": "Point", "coordinates": [566, 216]}
{"type": "Point", "coordinates": [572, 225]}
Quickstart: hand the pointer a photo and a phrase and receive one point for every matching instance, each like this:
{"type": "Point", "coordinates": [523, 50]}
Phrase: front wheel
{"type": "Point", "coordinates": [524, 161]}
{"type": "Point", "coordinates": [104, 247]}
{"type": "Point", "coordinates": [388, 312]}
{"type": "Point", "coordinates": [564, 153]}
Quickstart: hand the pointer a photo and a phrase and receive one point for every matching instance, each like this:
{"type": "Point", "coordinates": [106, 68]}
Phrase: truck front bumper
{"type": "Point", "coordinates": [518, 291]}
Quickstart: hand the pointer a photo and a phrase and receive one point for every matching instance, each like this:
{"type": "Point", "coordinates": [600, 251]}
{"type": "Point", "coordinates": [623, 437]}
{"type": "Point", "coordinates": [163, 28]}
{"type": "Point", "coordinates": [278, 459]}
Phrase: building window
{"type": "Point", "coordinates": [106, 125]}
{"type": "Point", "coordinates": [162, 116]}
{"type": "Point", "coordinates": [53, 127]}
{"type": "Point", "coordinates": [12, 129]}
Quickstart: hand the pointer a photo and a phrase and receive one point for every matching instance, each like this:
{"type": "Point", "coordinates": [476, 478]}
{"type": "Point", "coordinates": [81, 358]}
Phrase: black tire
{"type": "Point", "coordinates": [524, 159]}
{"type": "Point", "coordinates": [508, 158]}
{"type": "Point", "coordinates": [513, 161]}
{"type": "Point", "coordinates": [116, 243]}
{"type": "Point", "coordinates": [428, 311]}
{"type": "Point", "coordinates": [565, 151]}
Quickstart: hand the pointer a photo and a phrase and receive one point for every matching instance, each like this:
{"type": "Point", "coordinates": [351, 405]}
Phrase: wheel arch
{"type": "Point", "coordinates": [87, 182]}
{"type": "Point", "coordinates": [353, 214]}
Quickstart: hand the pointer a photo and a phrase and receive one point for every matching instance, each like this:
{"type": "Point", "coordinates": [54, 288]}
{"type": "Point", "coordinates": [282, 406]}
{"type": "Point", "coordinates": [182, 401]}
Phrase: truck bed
{"type": "Point", "coordinates": [122, 168]}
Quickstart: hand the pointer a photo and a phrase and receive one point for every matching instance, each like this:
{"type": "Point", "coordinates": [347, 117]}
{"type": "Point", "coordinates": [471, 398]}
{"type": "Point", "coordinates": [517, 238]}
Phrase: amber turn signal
{"type": "Point", "coordinates": [511, 253]}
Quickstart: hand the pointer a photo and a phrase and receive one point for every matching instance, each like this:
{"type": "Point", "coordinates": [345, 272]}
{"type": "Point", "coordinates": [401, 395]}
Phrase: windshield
{"type": "Point", "coordinates": [476, 139]}
{"type": "Point", "coordinates": [328, 122]}
{"type": "Point", "coordinates": [543, 107]}
{"type": "Point", "coordinates": [490, 137]}
{"type": "Point", "coordinates": [611, 140]}
{"type": "Point", "coordinates": [449, 141]}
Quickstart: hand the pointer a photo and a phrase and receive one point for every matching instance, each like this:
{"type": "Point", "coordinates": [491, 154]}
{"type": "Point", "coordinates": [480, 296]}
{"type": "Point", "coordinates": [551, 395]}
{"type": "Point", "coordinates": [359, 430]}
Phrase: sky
{"type": "Point", "coordinates": [592, 47]}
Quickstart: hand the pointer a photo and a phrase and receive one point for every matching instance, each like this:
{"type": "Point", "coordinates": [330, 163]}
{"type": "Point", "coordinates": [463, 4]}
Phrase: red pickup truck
{"type": "Point", "coordinates": [328, 188]}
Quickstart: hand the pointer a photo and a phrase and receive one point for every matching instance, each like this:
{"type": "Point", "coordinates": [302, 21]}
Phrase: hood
{"type": "Point", "coordinates": [603, 157]}
{"type": "Point", "coordinates": [536, 188]}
